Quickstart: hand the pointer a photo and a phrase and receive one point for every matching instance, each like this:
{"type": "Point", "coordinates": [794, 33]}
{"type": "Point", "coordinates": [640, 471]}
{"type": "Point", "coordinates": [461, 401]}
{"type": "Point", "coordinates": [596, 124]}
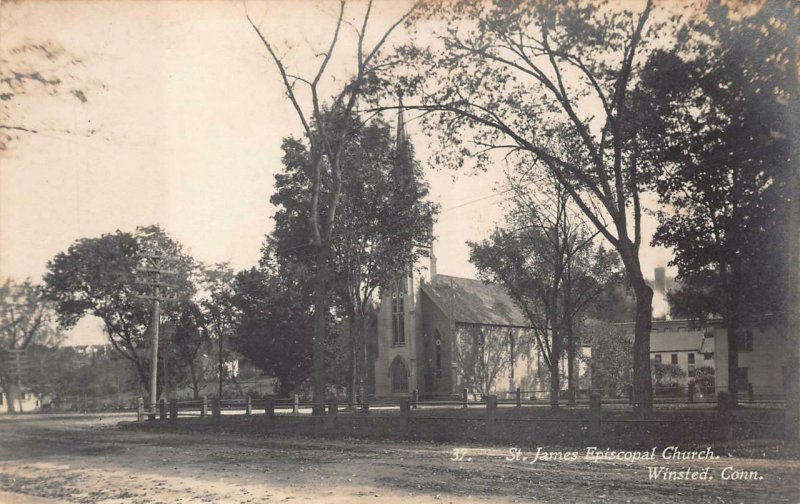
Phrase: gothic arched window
{"type": "Point", "coordinates": [398, 315]}
{"type": "Point", "coordinates": [399, 374]}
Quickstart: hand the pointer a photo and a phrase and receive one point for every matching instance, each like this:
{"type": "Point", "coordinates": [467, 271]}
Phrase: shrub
{"type": "Point", "coordinates": [704, 379]}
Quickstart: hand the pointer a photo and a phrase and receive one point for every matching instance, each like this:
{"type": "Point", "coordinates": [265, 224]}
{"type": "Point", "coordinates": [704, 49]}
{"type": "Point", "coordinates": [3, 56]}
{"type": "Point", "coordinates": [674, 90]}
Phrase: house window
{"type": "Point", "coordinates": [658, 358]}
{"type": "Point", "coordinates": [691, 365]}
{"type": "Point", "coordinates": [744, 340]}
{"type": "Point", "coordinates": [398, 317]}
{"type": "Point", "coordinates": [673, 358]}
{"type": "Point", "coordinates": [399, 374]}
{"type": "Point", "coordinates": [742, 378]}
{"type": "Point", "coordinates": [708, 356]}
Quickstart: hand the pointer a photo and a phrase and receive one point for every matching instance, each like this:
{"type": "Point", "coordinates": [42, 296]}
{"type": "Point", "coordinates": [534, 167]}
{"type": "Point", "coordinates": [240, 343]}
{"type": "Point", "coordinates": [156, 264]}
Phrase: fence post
{"type": "Point", "coordinates": [204, 407]}
{"type": "Point", "coordinates": [491, 412]}
{"type": "Point", "coordinates": [464, 397]}
{"type": "Point", "coordinates": [630, 394]}
{"type": "Point", "coordinates": [595, 428]}
{"type": "Point", "coordinates": [750, 395]}
{"type": "Point", "coordinates": [333, 410]}
{"type": "Point", "coordinates": [140, 409]}
{"type": "Point", "coordinates": [405, 410]}
{"type": "Point", "coordinates": [162, 409]}
{"type": "Point", "coordinates": [296, 408]}
{"type": "Point", "coordinates": [724, 415]}
{"type": "Point", "coordinates": [415, 398]}
{"type": "Point", "coordinates": [248, 406]}
{"type": "Point", "coordinates": [269, 409]}
{"type": "Point", "coordinates": [691, 391]}
{"type": "Point", "coordinates": [519, 398]}
{"type": "Point", "coordinates": [173, 410]}
{"type": "Point", "coordinates": [365, 405]}
{"type": "Point", "coordinates": [216, 408]}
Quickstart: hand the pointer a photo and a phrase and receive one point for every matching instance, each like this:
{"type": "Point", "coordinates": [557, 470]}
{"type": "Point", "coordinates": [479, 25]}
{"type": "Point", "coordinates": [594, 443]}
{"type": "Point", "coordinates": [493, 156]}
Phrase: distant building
{"type": "Point", "coordinates": [763, 357]}
{"type": "Point", "coordinates": [29, 402]}
{"type": "Point", "coordinates": [678, 342]}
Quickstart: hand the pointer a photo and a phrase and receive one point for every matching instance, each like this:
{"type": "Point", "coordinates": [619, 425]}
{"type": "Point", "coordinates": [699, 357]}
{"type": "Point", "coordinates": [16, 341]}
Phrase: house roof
{"type": "Point", "coordinates": [708, 345]}
{"type": "Point", "coordinates": [671, 336]}
{"type": "Point", "coordinates": [475, 302]}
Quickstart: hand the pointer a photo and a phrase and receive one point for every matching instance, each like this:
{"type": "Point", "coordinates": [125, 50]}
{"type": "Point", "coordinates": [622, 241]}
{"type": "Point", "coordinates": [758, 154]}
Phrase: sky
{"type": "Point", "coordinates": [189, 116]}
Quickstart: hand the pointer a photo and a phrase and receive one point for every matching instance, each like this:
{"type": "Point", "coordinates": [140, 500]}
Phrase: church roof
{"type": "Point", "coordinates": [474, 302]}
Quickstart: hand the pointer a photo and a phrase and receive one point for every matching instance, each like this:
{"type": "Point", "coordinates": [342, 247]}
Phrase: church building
{"type": "Point", "coordinates": [449, 333]}
{"type": "Point", "coordinates": [442, 334]}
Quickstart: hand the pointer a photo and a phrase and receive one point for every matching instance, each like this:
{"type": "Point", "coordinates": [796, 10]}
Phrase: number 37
{"type": "Point", "coordinates": [458, 454]}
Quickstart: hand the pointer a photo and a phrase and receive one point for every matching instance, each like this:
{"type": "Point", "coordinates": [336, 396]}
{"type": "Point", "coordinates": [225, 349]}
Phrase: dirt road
{"type": "Point", "coordinates": [90, 459]}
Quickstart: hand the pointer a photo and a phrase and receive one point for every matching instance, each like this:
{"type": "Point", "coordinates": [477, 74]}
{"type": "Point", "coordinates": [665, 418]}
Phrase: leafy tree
{"type": "Point", "coordinates": [611, 361]}
{"type": "Point", "coordinates": [190, 337]}
{"type": "Point", "coordinates": [482, 353]}
{"type": "Point", "coordinates": [547, 263]}
{"type": "Point", "coordinates": [213, 313]}
{"type": "Point", "coordinates": [102, 277]}
{"type": "Point", "coordinates": [548, 83]}
{"type": "Point", "coordinates": [274, 320]}
{"type": "Point", "coordinates": [382, 216]}
{"type": "Point", "coordinates": [708, 106]}
{"type": "Point", "coordinates": [25, 321]}
{"type": "Point", "coordinates": [93, 375]}
{"type": "Point", "coordinates": [704, 377]}
{"type": "Point", "coordinates": [666, 377]}
{"type": "Point", "coordinates": [326, 134]}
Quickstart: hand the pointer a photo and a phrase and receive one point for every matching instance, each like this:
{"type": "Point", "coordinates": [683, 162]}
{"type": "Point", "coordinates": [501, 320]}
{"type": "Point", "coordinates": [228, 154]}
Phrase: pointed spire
{"type": "Point", "coordinates": [403, 168]}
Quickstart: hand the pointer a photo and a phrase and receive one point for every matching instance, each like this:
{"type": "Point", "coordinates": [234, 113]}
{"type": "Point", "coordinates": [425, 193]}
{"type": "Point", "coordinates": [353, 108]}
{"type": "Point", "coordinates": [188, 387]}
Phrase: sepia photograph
{"type": "Point", "coordinates": [413, 251]}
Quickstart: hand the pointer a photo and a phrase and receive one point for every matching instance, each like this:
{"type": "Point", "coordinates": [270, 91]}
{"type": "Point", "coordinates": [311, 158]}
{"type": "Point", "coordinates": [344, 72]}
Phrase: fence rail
{"type": "Point", "coordinates": [591, 415]}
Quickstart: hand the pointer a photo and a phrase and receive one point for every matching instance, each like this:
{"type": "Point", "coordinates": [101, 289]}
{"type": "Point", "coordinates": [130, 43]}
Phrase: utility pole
{"type": "Point", "coordinates": [19, 354]}
{"type": "Point", "coordinates": [156, 269]}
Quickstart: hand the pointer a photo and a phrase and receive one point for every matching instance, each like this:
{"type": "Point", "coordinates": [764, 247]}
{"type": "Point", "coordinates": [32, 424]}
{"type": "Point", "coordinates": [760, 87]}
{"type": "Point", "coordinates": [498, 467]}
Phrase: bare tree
{"type": "Point", "coordinates": [481, 354]}
{"type": "Point", "coordinates": [532, 77]}
{"type": "Point", "coordinates": [327, 125]}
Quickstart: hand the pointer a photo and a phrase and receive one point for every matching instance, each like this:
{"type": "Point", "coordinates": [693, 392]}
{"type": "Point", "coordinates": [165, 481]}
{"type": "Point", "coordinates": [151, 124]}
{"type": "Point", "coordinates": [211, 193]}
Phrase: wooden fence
{"type": "Point", "coordinates": [596, 418]}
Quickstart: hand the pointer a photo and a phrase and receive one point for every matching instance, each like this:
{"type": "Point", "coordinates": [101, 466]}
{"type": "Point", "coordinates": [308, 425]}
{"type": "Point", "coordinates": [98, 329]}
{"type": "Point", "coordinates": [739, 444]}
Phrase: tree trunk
{"type": "Point", "coordinates": [734, 323]}
{"type": "Point", "coordinates": [571, 391]}
{"type": "Point", "coordinates": [733, 363]}
{"type": "Point", "coordinates": [220, 363]}
{"type": "Point", "coordinates": [9, 390]}
{"type": "Point", "coordinates": [318, 349]}
{"type": "Point", "coordinates": [364, 376]}
{"type": "Point", "coordinates": [642, 379]}
{"type": "Point", "coordinates": [555, 384]}
{"type": "Point", "coordinates": [555, 377]}
{"type": "Point", "coordinates": [195, 384]}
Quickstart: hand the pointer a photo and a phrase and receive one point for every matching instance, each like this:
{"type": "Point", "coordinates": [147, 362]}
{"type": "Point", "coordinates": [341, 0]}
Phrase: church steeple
{"type": "Point", "coordinates": [403, 168]}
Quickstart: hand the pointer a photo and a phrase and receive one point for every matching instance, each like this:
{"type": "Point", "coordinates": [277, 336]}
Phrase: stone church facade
{"type": "Point", "coordinates": [448, 333]}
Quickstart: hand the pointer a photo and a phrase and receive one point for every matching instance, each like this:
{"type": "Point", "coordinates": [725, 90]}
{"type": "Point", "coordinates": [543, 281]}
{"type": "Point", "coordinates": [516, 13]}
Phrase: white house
{"type": "Point", "coordinates": [29, 402]}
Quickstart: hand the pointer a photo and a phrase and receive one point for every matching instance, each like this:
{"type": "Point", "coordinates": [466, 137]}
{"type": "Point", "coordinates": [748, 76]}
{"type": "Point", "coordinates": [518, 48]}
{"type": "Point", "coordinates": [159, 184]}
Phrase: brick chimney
{"type": "Point", "coordinates": [660, 284]}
